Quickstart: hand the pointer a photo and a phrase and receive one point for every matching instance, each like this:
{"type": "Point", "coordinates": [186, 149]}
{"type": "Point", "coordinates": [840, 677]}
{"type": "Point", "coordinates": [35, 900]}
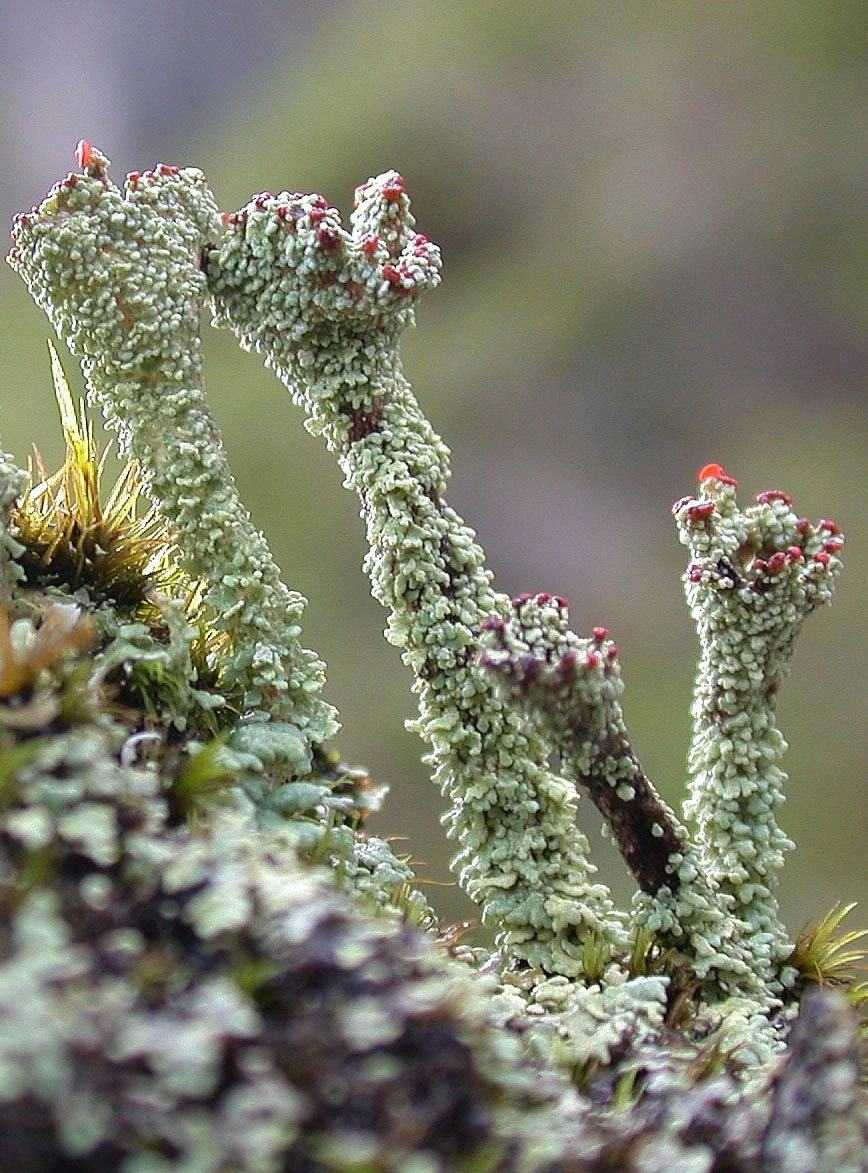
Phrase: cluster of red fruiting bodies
{"type": "Point", "coordinates": [400, 273]}
{"type": "Point", "coordinates": [93, 163]}
{"type": "Point", "coordinates": [567, 660]}
{"type": "Point", "coordinates": [699, 512]}
{"type": "Point", "coordinates": [315, 209]}
{"type": "Point", "coordinates": [329, 237]}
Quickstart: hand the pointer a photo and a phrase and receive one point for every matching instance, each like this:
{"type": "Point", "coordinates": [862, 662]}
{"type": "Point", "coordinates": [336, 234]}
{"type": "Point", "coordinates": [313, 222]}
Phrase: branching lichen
{"type": "Point", "coordinates": [206, 963]}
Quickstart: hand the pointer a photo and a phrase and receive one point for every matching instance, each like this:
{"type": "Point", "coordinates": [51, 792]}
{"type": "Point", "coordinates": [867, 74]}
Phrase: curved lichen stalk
{"type": "Point", "coordinates": [571, 688]}
{"type": "Point", "coordinates": [326, 307]}
{"type": "Point", "coordinates": [119, 274]}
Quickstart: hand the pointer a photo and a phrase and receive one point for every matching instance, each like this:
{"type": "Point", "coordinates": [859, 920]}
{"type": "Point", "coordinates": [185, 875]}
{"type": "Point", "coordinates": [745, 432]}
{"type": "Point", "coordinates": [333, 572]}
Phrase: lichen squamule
{"type": "Point", "coordinates": [211, 964]}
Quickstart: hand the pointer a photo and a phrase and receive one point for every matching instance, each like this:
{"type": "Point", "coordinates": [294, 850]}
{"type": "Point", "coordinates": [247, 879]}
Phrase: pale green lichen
{"type": "Point", "coordinates": [178, 968]}
{"type": "Point", "coordinates": [753, 577]}
{"type": "Point", "coordinates": [326, 307]}
{"type": "Point", "coordinates": [571, 688]}
{"type": "Point", "coordinates": [12, 482]}
{"type": "Point", "coordinates": [119, 274]}
{"type": "Point", "coordinates": [588, 1025]}
{"type": "Point", "coordinates": [181, 985]}
{"type": "Point", "coordinates": [819, 1115]}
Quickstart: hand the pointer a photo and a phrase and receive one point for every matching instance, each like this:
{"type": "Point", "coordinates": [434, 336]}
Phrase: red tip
{"type": "Point", "coordinates": [715, 472]}
{"type": "Point", "coordinates": [394, 189]}
{"type": "Point", "coordinates": [701, 511]}
{"type": "Point", "coordinates": [83, 153]}
{"type": "Point", "coordinates": [710, 470]}
{"type": "Point", "coordinates": [770, 495]}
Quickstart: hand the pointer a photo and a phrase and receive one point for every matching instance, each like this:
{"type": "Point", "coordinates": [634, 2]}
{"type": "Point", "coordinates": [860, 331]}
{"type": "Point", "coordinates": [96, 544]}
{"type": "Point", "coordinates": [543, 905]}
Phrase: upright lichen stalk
{"type": "Point", "coordinates": [119, 274]}
{"type": "Point", "coordinates": [570, 687]}
{"type": "Point", "coordinates": [326, 307]}
{"type": "Point", "coordinates": [752, 579]}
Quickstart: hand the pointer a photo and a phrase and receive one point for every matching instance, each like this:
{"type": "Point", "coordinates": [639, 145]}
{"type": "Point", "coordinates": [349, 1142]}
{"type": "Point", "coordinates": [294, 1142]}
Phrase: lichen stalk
{"type": "Point", "coordinates": [753, 577]}
{"type": "Point", "coordinates": [571, 687]}
{"type": "Point", "coordinates": [119, 274]}
{"type": "Point", "coordinates": [326, 307]}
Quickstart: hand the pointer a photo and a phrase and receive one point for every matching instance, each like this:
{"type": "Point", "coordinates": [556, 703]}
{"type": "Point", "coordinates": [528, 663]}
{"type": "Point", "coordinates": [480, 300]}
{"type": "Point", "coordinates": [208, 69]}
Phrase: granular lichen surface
{"type": "Point", "coordinates": [207, 962]}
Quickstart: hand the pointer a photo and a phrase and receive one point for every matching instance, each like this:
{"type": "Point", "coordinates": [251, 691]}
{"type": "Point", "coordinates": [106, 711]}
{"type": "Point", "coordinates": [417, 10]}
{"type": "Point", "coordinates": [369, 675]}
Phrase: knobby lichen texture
{"type": "Point", "coordinates": [207, 963]}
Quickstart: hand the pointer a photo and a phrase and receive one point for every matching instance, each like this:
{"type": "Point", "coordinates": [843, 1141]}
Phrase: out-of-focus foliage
{"type": "Point", "coordinates": [655, 245]}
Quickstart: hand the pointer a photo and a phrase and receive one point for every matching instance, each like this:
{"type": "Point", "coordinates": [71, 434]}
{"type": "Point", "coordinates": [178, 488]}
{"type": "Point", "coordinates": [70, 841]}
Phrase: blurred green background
{"type": "Point", "coordinates": [653, 224]}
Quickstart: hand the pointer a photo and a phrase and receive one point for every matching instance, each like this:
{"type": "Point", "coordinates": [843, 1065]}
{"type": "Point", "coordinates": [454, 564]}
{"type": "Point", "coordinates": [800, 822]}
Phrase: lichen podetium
{"type": "Point", "coordinates": [119, 273]}
{"type": "Point", "coordinates": [753, 577]}
{"type": "Point", "coordinates": [209, 964]}
{"type": "Point", "coordinates": [326, 307]}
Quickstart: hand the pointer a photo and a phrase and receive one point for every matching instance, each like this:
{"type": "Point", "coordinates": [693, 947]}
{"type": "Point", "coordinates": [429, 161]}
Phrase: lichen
{"type": "Point", "coordinates": [119, 274]}
{"type": "Point", "coordinates": [571, 687]}
{"type": "Point", "coordinates": [753, 578]}
{"type": "Point", "coordinates": [326, 307]}
{"type": "Point", "coordinates": [207, 963]}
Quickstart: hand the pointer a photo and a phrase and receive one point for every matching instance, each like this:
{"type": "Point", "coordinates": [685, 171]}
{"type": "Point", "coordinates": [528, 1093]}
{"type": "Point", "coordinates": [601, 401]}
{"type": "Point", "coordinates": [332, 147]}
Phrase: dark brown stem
{"type": "Point", "coordinates": [642, 827]}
